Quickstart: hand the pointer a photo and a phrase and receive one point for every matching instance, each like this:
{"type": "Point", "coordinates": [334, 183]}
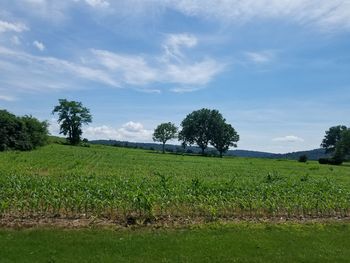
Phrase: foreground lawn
{"type": "Point", "coordinates": [241, 242]}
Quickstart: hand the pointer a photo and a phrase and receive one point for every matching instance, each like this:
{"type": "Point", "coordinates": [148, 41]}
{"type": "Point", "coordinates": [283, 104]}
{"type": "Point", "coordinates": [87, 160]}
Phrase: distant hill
{"type": "Point", "coordinates": [312, 154]}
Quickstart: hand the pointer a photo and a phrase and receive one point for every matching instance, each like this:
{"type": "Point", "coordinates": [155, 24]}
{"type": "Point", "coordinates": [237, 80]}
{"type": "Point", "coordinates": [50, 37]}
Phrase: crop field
{"type": "Point", "coordinates": [132, 185]}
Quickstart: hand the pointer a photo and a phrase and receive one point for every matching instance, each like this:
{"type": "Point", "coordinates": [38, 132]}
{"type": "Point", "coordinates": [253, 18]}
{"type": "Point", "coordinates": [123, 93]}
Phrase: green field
{"type": "Point", "coordinates": [118, 184]}
{"type": "Point", "coordinates": [211, 243]}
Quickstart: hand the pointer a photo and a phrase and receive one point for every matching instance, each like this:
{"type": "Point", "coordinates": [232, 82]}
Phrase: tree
{"type": "Point", "coordinates": [196, 127]}
{"type": "Point", "coordinates": [223, 136]}
{"type": "Point", "coordinates": [332, 138]}
{"type": "Point", "coordinates": [164, 132]}
{"type": "Point", "coordinates": [206, 126]}
{"type": "Point", "coordinates": [71, 116]}
{"type": "Point", "coordinates": [342, 149]}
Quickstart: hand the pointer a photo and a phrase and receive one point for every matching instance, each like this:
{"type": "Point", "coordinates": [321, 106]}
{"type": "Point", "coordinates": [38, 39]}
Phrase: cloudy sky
{"type": "Point", "coordinates": [278, 70]}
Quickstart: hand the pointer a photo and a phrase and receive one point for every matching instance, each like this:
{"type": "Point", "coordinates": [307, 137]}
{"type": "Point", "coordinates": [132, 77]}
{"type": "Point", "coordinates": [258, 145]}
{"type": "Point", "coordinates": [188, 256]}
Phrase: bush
{"type": "Point", "coordinates": [331, 161]}
{"type": "Point", "coordinates": [323, 161]}
{"type": "Point", "coordinates": [303, 158]}
{"type": "Point", "coordinates": [21, 133]}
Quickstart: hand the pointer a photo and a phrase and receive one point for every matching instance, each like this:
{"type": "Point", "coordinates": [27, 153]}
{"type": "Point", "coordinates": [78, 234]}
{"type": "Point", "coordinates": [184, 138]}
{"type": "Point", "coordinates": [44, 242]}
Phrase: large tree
{"type": "Point", "coordinates": [223, 136]}
{"type": "Point", "coordinates": [332, 138]}
{"type": "Point", "coordinates": [206, 126]}
{"type": "Point", "coordinates": [164, 132]}
{"type": "Point", "coordinates": [196, 128]}
{"type": "Point", "coordinates": [71, 117]}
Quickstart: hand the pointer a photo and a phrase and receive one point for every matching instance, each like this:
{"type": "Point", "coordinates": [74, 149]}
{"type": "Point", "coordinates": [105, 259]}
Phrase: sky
{"type": "Point", "coordinates": [278, 70]}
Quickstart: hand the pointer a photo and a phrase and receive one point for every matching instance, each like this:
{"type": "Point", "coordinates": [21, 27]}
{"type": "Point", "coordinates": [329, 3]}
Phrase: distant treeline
{"type": "Point", "coordinates": [171, 148]}
{"type": "Point", "coordinates": [21, 133]}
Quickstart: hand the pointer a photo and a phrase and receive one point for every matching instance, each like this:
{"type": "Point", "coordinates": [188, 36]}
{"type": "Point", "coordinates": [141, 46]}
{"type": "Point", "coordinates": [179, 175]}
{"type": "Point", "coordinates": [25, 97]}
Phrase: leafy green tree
{"type": "Point", "coordinates": [342, 149]}
{"type": "Point", "coordinates": [71, 117]}
{"type": "Point", "coordinates": [196, 128]}
{"type": "Point", "coordinates": [332, 138]}
{"type": "Point", "coordinates": [164, 132]}
{"type": "Point", "coordinates": [21, 133]}
{"type": "Point", "coordinates": [206, 126]}
{"type": "Point", "coordinates": [223, 136]}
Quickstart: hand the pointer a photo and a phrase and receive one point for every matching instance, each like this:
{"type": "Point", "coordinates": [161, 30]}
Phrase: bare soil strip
{"type": "Point", "coordinates": [166, 222]}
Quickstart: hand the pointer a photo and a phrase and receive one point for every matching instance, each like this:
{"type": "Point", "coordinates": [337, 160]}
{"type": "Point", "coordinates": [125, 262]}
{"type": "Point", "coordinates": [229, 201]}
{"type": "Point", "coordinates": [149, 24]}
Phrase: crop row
{"type": "Point", "coordinates": [160, 195]}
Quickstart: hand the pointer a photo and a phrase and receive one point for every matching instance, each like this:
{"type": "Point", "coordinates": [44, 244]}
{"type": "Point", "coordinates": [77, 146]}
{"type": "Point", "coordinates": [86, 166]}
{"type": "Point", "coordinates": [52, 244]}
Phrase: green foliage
{"type": "Point", "coordinates": [223, 136]}
{"type": "Point", "coordinates": [21, 133]}
{"type": "Point", "coordinates": [332, 138]}
{"type": "Point", "coordinates": [71, 116]}
{"type": "Point", "coordinates": [337, 141]}
{"type": "Point", "coordinates": [110, 182]}
{"type": "Point", "coordinates": [206, 126]}
{"type": "Point", "coordinates": [164, 132]}
{"type": "Point", "coordinates": [302, 158]}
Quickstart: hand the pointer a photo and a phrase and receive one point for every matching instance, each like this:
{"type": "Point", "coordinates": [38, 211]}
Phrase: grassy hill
{"type": "Point", "coordinates": [119, 183]}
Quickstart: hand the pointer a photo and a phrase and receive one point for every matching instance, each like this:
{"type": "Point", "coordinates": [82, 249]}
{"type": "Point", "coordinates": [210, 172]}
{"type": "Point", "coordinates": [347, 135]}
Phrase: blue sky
{"type": "Point", "coordinates": [278, 70]}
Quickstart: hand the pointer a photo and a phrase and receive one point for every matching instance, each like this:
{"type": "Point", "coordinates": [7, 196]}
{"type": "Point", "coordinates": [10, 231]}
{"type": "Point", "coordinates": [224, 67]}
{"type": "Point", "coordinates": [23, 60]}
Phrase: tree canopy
{"type": "Point", "coordinates": [21, 133]}
{"type": "Point", "coordinates": [206, 126]}
{"type": "Point", "coordinates": [332, 137]}
{"type": "Point", "coordinates": [337, 142]}
{"type": "Point", "coordinates": [164, 132]}
{"type": "Point", "coordinates": [71, 117]}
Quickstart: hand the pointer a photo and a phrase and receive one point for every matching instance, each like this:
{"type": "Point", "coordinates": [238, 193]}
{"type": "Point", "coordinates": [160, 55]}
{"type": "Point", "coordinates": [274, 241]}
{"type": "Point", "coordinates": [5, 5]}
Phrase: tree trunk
{"type": "Point", "coordinates": [203, 150]}
{"type": "Point", "coordinates": [163, 147]}
{"type": "Point", "coordinates": [220, 154]}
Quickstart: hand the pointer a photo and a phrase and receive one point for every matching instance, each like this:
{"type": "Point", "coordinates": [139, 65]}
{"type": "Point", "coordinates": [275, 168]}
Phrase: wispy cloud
{"type": "Point", "coordinates": [140, 72]}
{"type": "Point", "coordinates": [98, 3]}
{"type": "Point", "coordinates": [14, 27]}
{"type": "Point", "coordinates": [262, 57]}
{"type": "Point", "coordinates": [288, 138]}
{"type": "Point", "coordinates": [324, 14]}
{"type": "Point", "coordinates": [39, 45]}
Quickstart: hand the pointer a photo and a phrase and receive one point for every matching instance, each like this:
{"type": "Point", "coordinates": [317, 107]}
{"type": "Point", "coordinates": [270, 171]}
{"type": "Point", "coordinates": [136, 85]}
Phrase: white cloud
{"type": "Point", "coordinates": [39, 45]}
{"type": "Point", "coordinates": [174, 42]}
{"type": "Point", "coordinates": [262, 57]}
{"type": "Point", "coordinates": [98, 3]}
{"type": "Point", "coordinates": [15, 27]}
{"type": "Point", "coordinates": [7, 98]}
{"type": "Point", "coordinates": [130, 131]}
{"type": "Point", "coordinates": [288, 138]}
{"type": "Point", "coordinates": [177, 68]}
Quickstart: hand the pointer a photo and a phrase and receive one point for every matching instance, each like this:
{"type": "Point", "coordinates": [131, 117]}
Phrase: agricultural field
{"type": "Point", "coordinates": [131, 186]}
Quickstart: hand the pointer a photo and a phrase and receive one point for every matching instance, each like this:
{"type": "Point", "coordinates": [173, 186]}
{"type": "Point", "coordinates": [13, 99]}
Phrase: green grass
{"type": "Point", "coordinates": [210, 243]}
{"type": "Point", "coordinates": [60, 180]}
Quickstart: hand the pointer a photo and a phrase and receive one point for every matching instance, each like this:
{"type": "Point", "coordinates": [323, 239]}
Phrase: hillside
{"type": "Point", "coordinates": [312, 154]}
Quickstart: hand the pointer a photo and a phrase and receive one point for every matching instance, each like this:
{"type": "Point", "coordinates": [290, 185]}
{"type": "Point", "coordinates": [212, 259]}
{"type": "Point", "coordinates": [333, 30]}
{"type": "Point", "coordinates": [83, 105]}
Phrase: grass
{"type": "Point", "coordinates": [210, 243]}
{"type": "Point", "coordinates": [116, 183]}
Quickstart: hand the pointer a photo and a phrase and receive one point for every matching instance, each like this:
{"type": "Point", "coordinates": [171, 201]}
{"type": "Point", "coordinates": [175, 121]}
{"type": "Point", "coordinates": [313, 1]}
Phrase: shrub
{"type": "Point", "coordinates": [303, 158]}
{"type": "Point", "coordinates": [331, 161]}
{"type": "Point", "coordinates": [21, 133]}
